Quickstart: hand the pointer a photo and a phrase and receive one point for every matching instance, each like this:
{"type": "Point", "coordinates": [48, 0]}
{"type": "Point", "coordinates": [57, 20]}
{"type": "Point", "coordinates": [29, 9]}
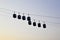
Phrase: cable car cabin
{"type": "Point", "coordinates": [44, 25]}
{"type": "Point", "coordinates": [34, 23]}
{"type": "Point", "coordinates": [23, 18]}
{"type": "Point", "coordinates": [39, 24]}
{"type": "Point", "coordinates": [29, 22]}
{"type": "Point", "coordinates": [28, 18]}
{"type": "Point", "coordinates": [14, 15]}
{"type": "Point", "coordinates": [19, 16]}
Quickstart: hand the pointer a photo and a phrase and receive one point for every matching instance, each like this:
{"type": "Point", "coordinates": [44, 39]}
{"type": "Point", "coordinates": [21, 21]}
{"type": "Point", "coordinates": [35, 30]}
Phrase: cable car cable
{"type": "Point", "coordinates": [31, 14]}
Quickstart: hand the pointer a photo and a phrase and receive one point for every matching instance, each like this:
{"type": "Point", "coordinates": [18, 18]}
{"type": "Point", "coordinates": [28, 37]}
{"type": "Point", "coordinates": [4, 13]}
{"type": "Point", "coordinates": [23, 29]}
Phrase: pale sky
{"type": "Point", "coordinates": [14, 29]}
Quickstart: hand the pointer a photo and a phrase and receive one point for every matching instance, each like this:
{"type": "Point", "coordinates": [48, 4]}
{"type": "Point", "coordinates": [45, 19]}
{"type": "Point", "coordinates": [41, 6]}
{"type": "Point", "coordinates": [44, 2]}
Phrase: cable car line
{"type": "Point", "coordinates": [32, 14]}
{"type": "Point", "coordinates": [14, 15]}
{"type": "Point", "coordinates": [40, 20]}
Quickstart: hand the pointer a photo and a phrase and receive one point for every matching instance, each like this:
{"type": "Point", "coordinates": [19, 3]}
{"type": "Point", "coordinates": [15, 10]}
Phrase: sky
{"type": "Point", "coordinates": [14, 29]}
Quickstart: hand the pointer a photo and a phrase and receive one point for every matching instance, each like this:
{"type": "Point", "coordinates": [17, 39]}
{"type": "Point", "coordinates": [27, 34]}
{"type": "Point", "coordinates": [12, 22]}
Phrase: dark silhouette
{"type": "Point", "coordinates": [44, 25]}
{"type": "Point", "coordinates": [39, 24]}
{"type": "Point", "coordinates": [28, 18]}
{"type": "Point", "coordinates": [14, 15]}
{"type": "Point", "coordinates": [23, 18]}
{"type": "Point", "coordinates": [34, 23]}
{"type": "Point", "coordinates": [19, 16]}
{"type": "Point", "coordinates": [29, 22]}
